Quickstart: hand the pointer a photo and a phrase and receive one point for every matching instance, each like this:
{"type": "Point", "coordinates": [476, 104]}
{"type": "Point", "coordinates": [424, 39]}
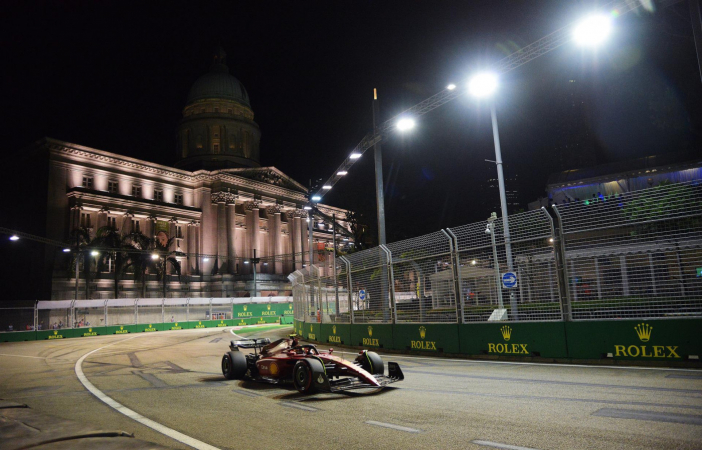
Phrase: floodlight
{"type": "Point", "coordinates": [405, 124]}
{"type": "Point", "coordinates": [483, 84]}
{"type": "Point", "coordinates": [451, 87]}
{"type": "Point", "coordinates": [593, 30]}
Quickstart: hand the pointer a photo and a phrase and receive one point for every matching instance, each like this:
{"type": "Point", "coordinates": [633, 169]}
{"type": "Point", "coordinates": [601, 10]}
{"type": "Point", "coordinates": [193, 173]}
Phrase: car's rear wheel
{"type": "Point", "coordinates": [303, 378]}
{"type": "Point", "coordinates": [234, 365]}
{"type": "Point", "coordinates": [372, 363]}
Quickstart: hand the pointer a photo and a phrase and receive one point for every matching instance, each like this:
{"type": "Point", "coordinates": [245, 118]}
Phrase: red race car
{"type": "Point", "coordinates": [310, 369]}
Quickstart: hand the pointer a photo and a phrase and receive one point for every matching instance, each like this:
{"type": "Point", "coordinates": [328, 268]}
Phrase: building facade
{"type": "Point", "coordinates": [215, 209]}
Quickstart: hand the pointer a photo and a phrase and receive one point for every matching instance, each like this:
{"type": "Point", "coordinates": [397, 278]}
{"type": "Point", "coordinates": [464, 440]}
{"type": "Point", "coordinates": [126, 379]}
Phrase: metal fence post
{"type": "Point", "coordinates": [562, 269]}
{"type": "Point", "coordinates": [391, 277]}
{"type": "Point", "coordinates": [453, 246]}
{"type": "Point", "coordinates": [348, 287]}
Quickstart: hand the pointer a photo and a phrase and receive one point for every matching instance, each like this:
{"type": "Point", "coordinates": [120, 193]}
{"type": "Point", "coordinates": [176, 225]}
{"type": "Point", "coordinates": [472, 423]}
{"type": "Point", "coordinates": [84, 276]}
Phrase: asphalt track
{"type": "Point", "coordinates": [173, 380]}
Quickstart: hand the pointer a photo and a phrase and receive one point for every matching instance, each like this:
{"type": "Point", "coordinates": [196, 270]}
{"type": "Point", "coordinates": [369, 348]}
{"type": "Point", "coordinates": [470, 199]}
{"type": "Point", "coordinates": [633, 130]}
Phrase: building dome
{"type": "Point", "coordinates": [218, 83]}
{"type": "Point", "coordinates": [218, 129]}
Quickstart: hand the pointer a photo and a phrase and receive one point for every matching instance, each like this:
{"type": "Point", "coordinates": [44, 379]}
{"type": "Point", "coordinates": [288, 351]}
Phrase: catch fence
{"type": "Point", "coordinates": [620, 256]}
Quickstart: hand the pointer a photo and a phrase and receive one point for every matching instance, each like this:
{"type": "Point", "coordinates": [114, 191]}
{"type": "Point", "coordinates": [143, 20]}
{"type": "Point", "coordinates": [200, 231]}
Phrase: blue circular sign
{"type": "Point", "coordinates": [509, 280]}
{"type": "Point", "coordinates": [362, 294]}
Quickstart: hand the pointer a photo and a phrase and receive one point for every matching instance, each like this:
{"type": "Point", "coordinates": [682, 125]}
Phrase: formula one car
{"type": "Point", "coordinates": [309, 369]}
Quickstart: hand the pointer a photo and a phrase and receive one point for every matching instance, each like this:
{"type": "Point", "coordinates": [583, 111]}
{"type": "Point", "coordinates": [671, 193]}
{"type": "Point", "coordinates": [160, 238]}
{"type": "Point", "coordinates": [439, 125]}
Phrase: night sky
{"type": "Point", "coordinates": [115, 76]}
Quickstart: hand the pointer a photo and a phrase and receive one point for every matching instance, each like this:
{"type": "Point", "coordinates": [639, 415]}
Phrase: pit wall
{"type": "Point", "coordinates": [244, 314]}
{"type": "Point", "coordinates": [665, 341]}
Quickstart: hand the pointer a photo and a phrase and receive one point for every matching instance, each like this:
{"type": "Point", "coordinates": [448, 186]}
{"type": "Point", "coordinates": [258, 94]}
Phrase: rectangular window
{"type": "Point", "coordinates": [216, 148]}
{"type": "Point", "coordinates": [88, 182]}
{"type": "Point", "coordinates": [136, 228]}
{"type": "Point", "coordinates": [158, 195]}
{"type": "Point", "coordinates": [112, 222]}
{"type": "Point", "coordinates": [179, 232]}
{"type": "Point", "coordinates": [112, 187]}
{"type": "Point", "coordinates": [179, 199]}
{"type": "Point", "coordinates": [136, 191]}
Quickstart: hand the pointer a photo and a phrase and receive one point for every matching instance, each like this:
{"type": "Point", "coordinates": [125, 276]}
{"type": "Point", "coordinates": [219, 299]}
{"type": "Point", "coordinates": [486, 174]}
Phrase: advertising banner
{"type": "Point", "coordinates": [372, 335]}
{"type": "Point", "coordinates": [339, 333]}
{"type": "Point", "coordinates": [651, 340]}
{"type": "Point", "coordinates": [120, 329]}
{"type": "Point", "coordinates": [435, 338]}
{"type": "Point", "coordinates": [545, 339]}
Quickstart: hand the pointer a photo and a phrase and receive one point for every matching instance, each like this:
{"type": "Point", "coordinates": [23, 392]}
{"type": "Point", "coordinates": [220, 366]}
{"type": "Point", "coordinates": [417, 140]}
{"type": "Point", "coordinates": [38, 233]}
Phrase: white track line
{"type": "Point", "coordinates": [171, 433]}
{"type": "Point", "coordinates": [498, 445]}
{"type": "Point", "coordinates": [393, 426]}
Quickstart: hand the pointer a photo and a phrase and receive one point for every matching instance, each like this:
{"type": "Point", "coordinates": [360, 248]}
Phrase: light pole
{"type": "Point", "coordinates": [253, 261]}
{"type": "Point", "coordinates": [483, 85]}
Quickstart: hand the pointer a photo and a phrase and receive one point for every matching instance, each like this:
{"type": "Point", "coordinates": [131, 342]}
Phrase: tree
{"type": "Point", "coordinates": [165, 257]}
{"type": "Point", "coordinates": [139, 258]}
{"type": "Point", "coordinates": [109, 243]}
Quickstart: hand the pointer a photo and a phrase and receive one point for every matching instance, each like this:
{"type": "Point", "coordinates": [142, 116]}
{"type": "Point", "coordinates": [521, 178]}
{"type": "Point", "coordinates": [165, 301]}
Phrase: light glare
{"type": "Point", "coordinates": [593, 30]}
{"type": "Point", "coordinates": [343, 172]}
{"type": "Point", "coordinates": [451, 87]}
{"type": "Point", "coordinates": [405, 124]}
{"type": "Point", "coordinates": [483, 85]}
{"type": "Point", "coordinates": [66, 250]}
{"type": "Point", "coordinates": [154, 256]}
{"type": "Point", "coordinates": [355, 155]}
{"type": "Point", "coordinates": [14, 237]}
{"type": "Point", "coordinates": [94, 253]}
{"type": "Point", "coordinates": [326, 187]}
{"type": "Point", "coordinates": [316, 198]}
{"type": "Point", "coordinates": [306, 207]}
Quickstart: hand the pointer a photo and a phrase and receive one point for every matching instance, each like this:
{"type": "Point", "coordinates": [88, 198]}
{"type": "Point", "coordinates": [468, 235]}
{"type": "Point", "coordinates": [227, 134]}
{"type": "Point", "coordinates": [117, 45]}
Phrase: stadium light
{"type": "Point", "coordinates": [483, 85]}
{"type": "Point", "coordinates": [451, 87]}
{"type": "Point", "coordinates": [593, 30]}
{"type": "Point", "coordinates": [14, 237]}
{"type": "Point", "coordinates": [405, 124]}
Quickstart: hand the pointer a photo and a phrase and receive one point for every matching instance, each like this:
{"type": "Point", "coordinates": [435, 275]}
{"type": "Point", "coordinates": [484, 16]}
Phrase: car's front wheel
{"type": "Point", "coordinates": [302, 378]}
{"type": "Point", "coordinates": [234, 366]}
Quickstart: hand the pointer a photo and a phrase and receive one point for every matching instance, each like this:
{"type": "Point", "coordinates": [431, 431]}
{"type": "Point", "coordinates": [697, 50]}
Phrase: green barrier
{"type": "Point", "coordinates": [545, 339]}
{"type": "Point", "coordinates": [121, 329]}
{"type": "Point", "coordinates": [286, 320]}
{"type": "Point", "coordinates": [63, 333]}
{"type": "Point", "coordinates": [372, 335]}
{"type": "Point", "coordinates": [426, 337]}
{"type": "Point", "coordinates": [339, 333]}
{"type": "Point", "coordinates": [175, 326]}
{"type": "Point", "coordinates": [18, 336]}
{"type": "Point", "coordinates": [651, 340]}
{"type": "Point", "coordinates": [150, 327]}
{"type": "Point", "coordinates": [243, 322]}
{"type": "Point", "coordinates": [216, 323]}
{"type": "Point", "coordinates": [90, 331]}
{"type": "Point", "coordinates": [251, 310]}
{"type": "Point", "coordinates": [298, 326]}
{"type": "Point", "coordinates": [312, 331]}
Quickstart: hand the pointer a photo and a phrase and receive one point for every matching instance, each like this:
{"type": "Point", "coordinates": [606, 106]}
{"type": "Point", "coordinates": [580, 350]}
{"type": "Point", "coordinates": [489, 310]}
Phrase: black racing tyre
{"type": "Point", "coordinates": [234, 365]}
{"type": "Point", "coordinates": [372, 363]}
{"type": "Point", "coordinates": [303, 378]}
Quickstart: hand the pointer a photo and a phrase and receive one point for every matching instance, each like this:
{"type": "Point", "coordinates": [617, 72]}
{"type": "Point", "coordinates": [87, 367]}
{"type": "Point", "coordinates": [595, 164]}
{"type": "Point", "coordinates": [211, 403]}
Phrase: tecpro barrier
{"type": "Point", "coordinates": [638, 340]}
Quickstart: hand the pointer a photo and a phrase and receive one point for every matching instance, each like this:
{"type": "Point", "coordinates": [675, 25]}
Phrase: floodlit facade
{"type": "Point", "coordinates": [218, 204]}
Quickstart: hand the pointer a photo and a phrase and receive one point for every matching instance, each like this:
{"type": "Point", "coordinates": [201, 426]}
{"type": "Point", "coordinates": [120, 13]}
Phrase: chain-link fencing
{"type": "Point", "coordinates": [620, 256]}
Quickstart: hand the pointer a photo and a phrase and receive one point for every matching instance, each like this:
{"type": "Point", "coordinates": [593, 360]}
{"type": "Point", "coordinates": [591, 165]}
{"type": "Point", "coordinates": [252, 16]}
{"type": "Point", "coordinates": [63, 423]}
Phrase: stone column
{"type": "Point", "coordinates": [127, 223]}
{"type": "Point", "coordinates": [101, 218]}
{"type": "Point", "coordinates": [150, 227]}
{"type": "Point", "coordinates": [75, 218]}
{"type": "Point", "coordinates": [253, 231]}
{"type": "Point", "coordinates": [275, 265]}
{"type": "Point", "coordinates": [222, 248]}
{"type": "Point", "coordinates": [192, 248]}
{"type": "Point", "coordinates": [294, 221]}
{"type": "Point", "coordinates": [231, 234]}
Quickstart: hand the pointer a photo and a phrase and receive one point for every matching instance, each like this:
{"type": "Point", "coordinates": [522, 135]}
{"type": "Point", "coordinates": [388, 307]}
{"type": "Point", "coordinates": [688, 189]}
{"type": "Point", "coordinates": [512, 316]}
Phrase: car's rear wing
{"type": "Point", "coordinates": [255, 343]}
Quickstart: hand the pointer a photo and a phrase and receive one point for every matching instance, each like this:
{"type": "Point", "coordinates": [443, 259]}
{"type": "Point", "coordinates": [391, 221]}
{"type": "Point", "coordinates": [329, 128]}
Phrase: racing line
{"type": "Point", "coordinates": [171, 433]}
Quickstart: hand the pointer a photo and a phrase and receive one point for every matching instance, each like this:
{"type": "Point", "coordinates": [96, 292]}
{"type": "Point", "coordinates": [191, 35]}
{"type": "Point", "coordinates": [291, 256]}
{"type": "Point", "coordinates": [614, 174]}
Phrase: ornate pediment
{"type": "Point", "coordinates": [268, 175]}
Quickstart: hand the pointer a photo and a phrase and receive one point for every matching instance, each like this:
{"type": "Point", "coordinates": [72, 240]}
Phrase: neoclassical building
{"type": "Point", "coordinates": [217, 202]}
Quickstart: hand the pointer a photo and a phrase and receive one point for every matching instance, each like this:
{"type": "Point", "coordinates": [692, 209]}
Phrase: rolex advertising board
{"type": "Point", "coordinates": [248, 310]}
{"type": "Point", "coordinates": [652, 340]}
{"type": "Point", "coordinates": [435, 338]}
{"type": "Point", "coordinates": [312, 331]}
{"type": "Point", "coordinates": [338, 333]}
{"type": "Point", "coordinates": [372, 335]}
{"type": "Point", "coordinates": [523, 339]}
